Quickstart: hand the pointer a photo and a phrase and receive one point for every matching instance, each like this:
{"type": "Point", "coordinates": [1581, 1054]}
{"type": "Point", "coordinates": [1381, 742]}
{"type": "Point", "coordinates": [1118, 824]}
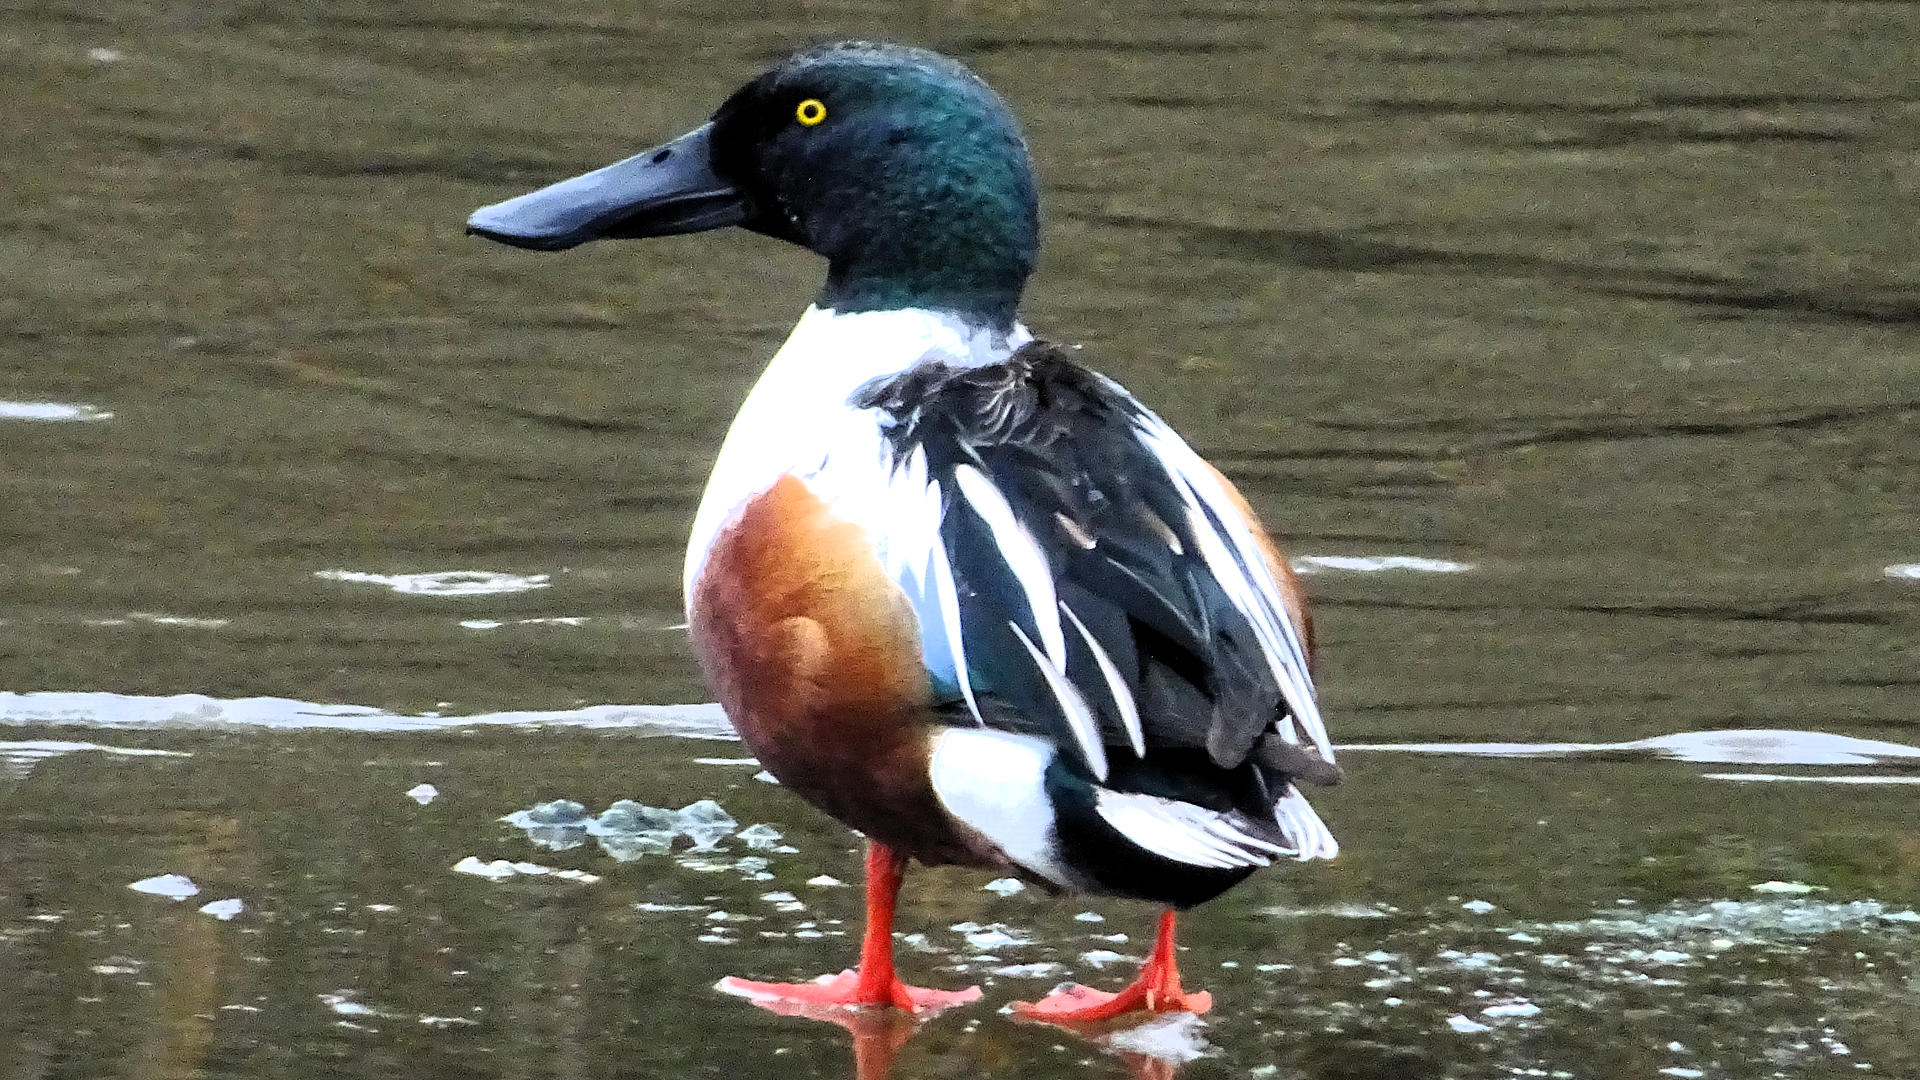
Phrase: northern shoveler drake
{"type": "Point", "coordinates": [954, 588]}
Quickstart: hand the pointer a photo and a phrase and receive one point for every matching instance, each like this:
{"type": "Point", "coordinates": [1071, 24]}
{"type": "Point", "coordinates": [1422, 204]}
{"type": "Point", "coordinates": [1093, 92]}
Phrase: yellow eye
{"type": "Point", "coordinates": [810, 112]}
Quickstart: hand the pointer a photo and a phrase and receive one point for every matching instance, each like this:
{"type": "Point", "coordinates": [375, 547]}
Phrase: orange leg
{"type": "Point", "coordinates": [1155, 990]}
{"type": "Point", "coordinates": [875, 982]}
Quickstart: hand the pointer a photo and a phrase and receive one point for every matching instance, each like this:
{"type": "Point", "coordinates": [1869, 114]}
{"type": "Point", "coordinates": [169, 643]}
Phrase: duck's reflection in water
{"type": "Point", "coordinates": [879, 1031]}
{"type": "Point", "coordinates": [1148, 1047]}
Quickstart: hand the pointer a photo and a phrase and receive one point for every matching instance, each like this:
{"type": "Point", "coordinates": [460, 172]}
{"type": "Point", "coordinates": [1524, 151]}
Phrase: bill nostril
{"type": "Point", "coordinates": [660, 156]}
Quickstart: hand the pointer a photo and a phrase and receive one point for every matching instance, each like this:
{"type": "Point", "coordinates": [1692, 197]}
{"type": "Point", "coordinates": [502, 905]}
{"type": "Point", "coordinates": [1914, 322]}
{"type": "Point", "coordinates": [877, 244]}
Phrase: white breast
{"type": "Point", "coordinates": [797, 420]}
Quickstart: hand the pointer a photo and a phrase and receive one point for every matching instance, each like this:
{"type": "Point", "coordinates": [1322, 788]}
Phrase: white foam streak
{"type": "Point", "coordinates": [17, 759]}
{"type": "Point", "coordinates": [1781, 778]}
{"type": "Point", "coordinates": [171, 886]}
{"type": "Point", "coordinates": [51, 411]}
{"type": "Point", "coordinates": [443, 582]}
{"type": "Point", "coordinates": [1374, 564]}
{"type": "Point", "coordinates": [197, 711]}
{"type": "Point", "coordinates": [1754, 747]}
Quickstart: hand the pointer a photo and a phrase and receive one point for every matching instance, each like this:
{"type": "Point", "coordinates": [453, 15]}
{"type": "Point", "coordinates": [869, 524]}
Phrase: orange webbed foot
{"type": "Point", "coordinates": [1155, 991]}
{"type": "Point", "coordinates": [880, 1028]}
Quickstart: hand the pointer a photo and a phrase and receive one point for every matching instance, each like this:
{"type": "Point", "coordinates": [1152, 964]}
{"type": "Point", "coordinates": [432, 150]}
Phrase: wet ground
{"type": "Point", "coordinates": [1574, 349]}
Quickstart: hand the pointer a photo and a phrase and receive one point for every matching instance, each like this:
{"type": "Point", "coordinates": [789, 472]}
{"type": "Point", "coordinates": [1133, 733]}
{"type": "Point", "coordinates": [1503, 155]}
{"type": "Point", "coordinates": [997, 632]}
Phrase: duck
{"type": "Point", "coordinates": [952, 586]}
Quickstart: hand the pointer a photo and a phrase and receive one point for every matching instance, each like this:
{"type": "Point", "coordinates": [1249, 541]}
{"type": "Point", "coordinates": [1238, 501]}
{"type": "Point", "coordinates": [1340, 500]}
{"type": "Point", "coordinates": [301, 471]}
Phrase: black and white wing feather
{"type": "Point", "coordinates": [1107, 590]}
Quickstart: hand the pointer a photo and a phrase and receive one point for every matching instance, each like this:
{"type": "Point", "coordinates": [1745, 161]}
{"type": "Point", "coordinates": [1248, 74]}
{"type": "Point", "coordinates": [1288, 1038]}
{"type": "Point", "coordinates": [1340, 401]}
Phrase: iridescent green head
{"type": "Point", "coordinates": [899, 166]}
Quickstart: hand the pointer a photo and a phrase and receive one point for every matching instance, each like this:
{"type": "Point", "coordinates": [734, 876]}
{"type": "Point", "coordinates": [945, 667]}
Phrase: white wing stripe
{"type": "Point", "coordinates": [1301, 701]}
{"type": "Point", "coordinates": [1252, 561]}
{"type": "Point", "coordinates": [1242, 571]}
{"type": "Point", "coordinates": [1231, 575]}
{"type": "Point", "coordinates": [948, 597]}
{"type": "Point", "coordinates": [1079, 718]}
{"type": "Point", "coordinates": [1116, 686]}
{"type": "Point", "coordinates": [1021, 554]}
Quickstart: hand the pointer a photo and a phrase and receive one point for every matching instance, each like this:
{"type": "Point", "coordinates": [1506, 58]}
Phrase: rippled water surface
{"type": "Point", "coordinates": [1573, 351]}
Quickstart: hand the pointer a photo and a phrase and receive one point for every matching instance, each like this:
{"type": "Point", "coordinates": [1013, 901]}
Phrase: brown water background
{"type": "Point", "coordinates": [1615, 306]}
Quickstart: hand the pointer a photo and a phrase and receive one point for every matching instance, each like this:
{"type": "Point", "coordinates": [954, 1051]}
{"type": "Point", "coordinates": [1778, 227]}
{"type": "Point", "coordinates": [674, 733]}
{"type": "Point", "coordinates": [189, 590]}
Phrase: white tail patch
{"type": "Point", "coordinates": [995, 782]}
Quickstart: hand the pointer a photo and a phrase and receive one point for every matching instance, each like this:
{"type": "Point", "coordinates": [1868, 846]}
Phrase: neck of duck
{"type": "Point", "coordinates": [929, 214]}
{"type": "Point", "coordinates": [964, 260]}
{"type": "Point", "coordinates": [797, 417]}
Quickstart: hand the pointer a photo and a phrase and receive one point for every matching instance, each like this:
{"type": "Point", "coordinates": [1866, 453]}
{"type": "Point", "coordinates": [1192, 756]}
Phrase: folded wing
{"type": "Point", "coordinates": [1096, 582]}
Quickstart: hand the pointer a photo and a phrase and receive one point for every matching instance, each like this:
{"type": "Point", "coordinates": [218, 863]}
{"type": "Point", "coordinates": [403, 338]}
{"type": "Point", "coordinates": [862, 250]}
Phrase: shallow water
{"type": "Point", "coordinates": [1570, 349]}
{"type": "Point", "coordinates": [1587, 912]}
